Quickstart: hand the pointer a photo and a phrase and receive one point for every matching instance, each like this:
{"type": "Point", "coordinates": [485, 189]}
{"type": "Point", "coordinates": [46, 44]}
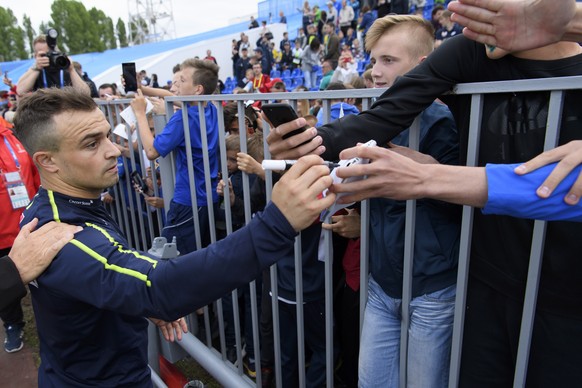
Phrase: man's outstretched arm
{"type": "Point", "coordinates": [495, 188]}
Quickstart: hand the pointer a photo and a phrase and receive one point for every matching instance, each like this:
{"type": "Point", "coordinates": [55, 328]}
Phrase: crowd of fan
{"type": "Point", "coordinates": [329, 47]}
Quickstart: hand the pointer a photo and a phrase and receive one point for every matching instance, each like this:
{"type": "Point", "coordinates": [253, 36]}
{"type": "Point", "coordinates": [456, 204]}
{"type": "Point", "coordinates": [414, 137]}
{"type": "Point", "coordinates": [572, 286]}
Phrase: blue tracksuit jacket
{"type": "Point", "coordinates": [91, 302]}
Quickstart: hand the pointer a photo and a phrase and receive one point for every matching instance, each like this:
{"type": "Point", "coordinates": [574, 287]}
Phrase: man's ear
{"type": "Point", "coordinates": [44, 160]}
{"type": "Point", "coordinates": [421, 59]}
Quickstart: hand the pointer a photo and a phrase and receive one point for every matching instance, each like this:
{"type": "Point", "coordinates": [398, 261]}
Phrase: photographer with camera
{"type": "Point", "coordinates": [51, 68]}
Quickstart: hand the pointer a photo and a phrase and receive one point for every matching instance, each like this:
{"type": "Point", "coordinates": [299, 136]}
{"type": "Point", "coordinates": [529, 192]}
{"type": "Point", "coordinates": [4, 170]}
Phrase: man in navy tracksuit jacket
{"type": "Point", "coordinates": [91, 302]}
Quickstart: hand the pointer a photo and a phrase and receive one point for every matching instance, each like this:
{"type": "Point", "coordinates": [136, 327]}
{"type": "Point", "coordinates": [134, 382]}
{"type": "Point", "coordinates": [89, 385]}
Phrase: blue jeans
{"type": "Point", "coordinates": [429, 339]}
{"type": "Point", "coordinates": [310, 77]}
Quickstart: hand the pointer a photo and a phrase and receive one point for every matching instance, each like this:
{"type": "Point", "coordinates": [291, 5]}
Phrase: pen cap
{"type": "Point", "coordinates": [274, 165]}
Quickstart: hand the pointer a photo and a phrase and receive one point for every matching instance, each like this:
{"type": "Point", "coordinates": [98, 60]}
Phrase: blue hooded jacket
{"type": "Point", "coordinates": [336, 110]}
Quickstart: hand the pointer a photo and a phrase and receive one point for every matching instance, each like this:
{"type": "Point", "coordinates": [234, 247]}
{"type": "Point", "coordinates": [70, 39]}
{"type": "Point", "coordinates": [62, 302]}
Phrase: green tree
{"type": "Point", "coordinates": [121, 33]}
{"type": "Point", "coordinates": [42, 27]}
{"type": "Point", "coordinates": [98, 28]}
{"type": "Point", "coordinates": [12, 45]}
{"type": "Point", "coordinates": [110, 40]}
{"type": "Point", "coordinates": [30, 33]}
{"type": "Point", "coordinates": [77, 33]}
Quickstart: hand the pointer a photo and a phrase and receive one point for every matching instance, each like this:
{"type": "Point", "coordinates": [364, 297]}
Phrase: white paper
{"type": "Point", "coordinates": [129, 116]}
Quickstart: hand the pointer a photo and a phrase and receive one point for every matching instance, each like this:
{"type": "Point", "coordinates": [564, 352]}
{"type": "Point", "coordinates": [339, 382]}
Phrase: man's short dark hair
{"type": "Point", "coordinates": [336, 86]}
{"type": "Point", "coordinates": [205, 74]}
{"type": "Point", "coordinates": [105, 86]}
{"type": "Point", "coordinates": [34, 122]}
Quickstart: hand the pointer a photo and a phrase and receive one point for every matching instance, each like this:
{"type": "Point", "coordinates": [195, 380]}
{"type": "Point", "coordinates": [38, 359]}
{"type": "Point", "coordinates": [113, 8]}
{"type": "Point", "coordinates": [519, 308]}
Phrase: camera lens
{"type": "Point", "coordinates": [51, 32]}
{"type": "Point", "coordinates": [62, 62]}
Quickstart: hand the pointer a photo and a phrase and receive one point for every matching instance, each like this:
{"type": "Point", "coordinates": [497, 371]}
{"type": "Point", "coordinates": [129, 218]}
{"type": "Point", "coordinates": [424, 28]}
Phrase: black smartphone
{"type": "Point", "coordinates": [280, 113]}
{"type": "Point", "coordinates": [138, 182]}
{"type": "Point", "coordinates": [129, 76]}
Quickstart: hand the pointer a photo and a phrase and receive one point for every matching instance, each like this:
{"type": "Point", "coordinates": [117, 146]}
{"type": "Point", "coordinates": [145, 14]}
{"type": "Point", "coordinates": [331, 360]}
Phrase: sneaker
{"type": "Point", "coordinates": [250, 367]}
{"type": "Point", "coordinates": [13, 341]}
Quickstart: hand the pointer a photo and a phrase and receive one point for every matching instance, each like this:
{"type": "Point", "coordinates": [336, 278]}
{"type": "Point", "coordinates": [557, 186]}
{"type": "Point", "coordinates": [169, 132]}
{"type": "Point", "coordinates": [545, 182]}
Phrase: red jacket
{"type": "Point", "coordinates": [9, 218]}
{"type": "Point", "coordinates": [261, 84]}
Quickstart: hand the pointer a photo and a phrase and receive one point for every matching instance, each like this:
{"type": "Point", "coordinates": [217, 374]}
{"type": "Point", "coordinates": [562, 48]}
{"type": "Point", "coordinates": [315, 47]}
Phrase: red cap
{"type": "Point", "coordinates": [269, 85]}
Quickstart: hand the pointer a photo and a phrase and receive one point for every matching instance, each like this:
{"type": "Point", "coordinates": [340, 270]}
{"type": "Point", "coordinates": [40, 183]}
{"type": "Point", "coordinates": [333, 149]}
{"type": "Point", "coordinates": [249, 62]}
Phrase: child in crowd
{"type": "Point", "coordinates": [235, 183]}
{"type": "Point", "coordinates": [237, 162]}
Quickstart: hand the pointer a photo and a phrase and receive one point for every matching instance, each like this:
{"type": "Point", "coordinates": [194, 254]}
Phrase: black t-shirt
{"type": "Point", "coordinates": [513, 131]}
{"type": "Point", "coordinates": [48, 78]}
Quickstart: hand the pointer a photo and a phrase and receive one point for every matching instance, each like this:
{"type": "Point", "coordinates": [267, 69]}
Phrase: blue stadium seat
{"type": "Point", "coordinates": [286, 73]}
{"type": "Point", "coordinates": [275, 73]}
{"type": "Point", "coordinates": [362, 66]}
{"type": "Point", "coordinates": [317, 70]}
{"type": "Point", "coordinates": [296, 72]}
{"type": "Point", "coordinates": [288, 83]}
{"type": "Point", "coordinates": [297, 81]}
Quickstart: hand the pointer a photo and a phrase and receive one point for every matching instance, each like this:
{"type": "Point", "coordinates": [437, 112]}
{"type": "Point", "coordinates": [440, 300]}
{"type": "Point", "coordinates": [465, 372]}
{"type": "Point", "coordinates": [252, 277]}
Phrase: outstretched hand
{"type": "Point", "coordinates": [569, 156]}
{"type": "Point", "coordinates": [248, 164]}
{"type": "Point", "coordinates": [388, 175]}
{"type": "Point", "coordinates": [298, 192]}
{"type": "Point", "coordinates": [346, 225]}
{"type": "Point", "coordinates": [169, 328]}
{"type": "Point", "coordinates": [514, 25]}
{"type": "Point", "coordinates": [293, 147]}
{"type": "Point", "coordinates": [139, 104]}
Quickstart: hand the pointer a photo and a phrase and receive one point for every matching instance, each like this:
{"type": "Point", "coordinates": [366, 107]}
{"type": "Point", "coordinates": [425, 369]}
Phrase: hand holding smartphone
{"type": "Point", "coordinates": [129, 76]}
{"type": "Point", "coordinates": [279, 113]}
{"type": "Point", "coordinates": [138, 183]}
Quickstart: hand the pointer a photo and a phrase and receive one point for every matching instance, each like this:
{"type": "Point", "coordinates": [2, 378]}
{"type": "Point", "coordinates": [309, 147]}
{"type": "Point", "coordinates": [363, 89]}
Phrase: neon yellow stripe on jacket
{"type": "Point", "coordinates": [100, 258]}
{"type": "Point", "coordinates": [120, 247]}
{"type": "Point", "coordinates": [112, 267]}
{"type": "Point", "coordinates": [53, 205]}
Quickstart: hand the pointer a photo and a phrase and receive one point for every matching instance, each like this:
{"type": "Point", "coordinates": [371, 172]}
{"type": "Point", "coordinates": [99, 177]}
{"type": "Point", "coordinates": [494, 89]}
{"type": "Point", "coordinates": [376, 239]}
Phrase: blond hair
{"type": "Point", "coordinates": [255, 146]}
{"type": "Point", "coordinates": [420, 30]}
{"type": "Point", "coordinates": [232, 143]}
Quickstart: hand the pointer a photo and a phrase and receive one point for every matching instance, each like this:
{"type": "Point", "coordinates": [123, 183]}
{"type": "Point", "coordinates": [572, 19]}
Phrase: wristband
{"type": "Point", "coordinates": [34, 68]}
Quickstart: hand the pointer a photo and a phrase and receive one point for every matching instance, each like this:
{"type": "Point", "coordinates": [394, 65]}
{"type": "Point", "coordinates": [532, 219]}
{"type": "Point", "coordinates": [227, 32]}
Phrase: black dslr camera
{"type": "Point", "coordinates": [57, 60]}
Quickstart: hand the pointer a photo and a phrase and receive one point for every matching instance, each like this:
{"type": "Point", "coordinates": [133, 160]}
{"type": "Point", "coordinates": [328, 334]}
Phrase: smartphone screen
{"type": "Point", "coordinates": [130, 76]}
{"type": "Point", "coordinates": [138, 181]}
{"type": "Point", "coordinates": [279, 113]}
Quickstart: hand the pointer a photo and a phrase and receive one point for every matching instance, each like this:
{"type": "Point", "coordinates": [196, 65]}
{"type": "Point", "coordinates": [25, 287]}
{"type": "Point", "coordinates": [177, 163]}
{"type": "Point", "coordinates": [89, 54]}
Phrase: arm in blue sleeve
{"type": "Point", "coordinates": [171, 136]}
{"type": "Point", "coordinates": [515, 195]}
{"type": "Point", "coordinates": [97, 270]}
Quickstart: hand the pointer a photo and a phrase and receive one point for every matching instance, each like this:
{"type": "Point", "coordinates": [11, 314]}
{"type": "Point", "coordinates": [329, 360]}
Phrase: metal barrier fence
{"type": "Point", "coordinates": [142, 224]}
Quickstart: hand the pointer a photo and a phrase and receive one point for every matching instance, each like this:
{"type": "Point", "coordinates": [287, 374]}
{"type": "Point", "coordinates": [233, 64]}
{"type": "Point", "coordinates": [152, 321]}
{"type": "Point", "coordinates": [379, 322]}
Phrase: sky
{"type": "Point", "coordinates": [190, 16]}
